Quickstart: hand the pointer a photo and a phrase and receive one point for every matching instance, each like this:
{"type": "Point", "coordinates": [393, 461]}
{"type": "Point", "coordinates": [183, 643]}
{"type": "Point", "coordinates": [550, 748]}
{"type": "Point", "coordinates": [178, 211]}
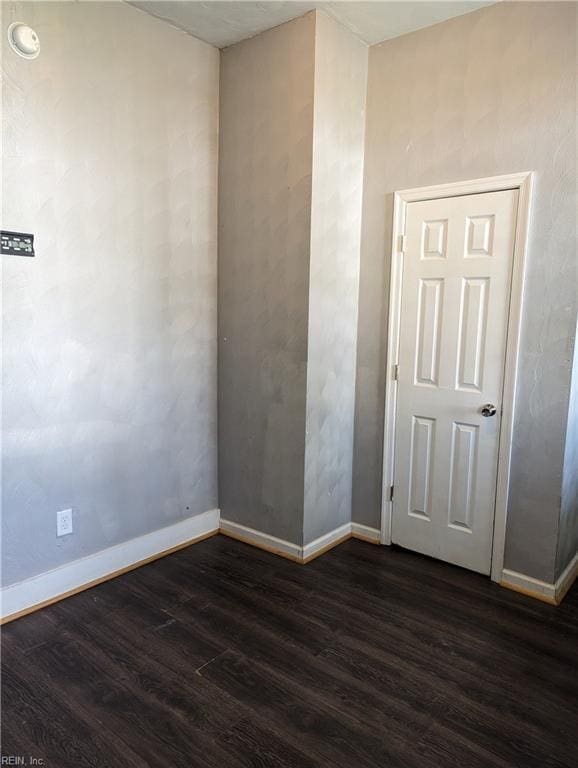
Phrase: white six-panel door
{"type": "Point", "coordinates": [454, 314]}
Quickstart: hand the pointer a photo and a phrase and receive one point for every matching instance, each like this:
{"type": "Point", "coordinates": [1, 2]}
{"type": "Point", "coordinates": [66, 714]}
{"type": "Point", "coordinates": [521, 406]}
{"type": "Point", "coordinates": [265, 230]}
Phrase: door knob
{"type": "Point", "coordinates": [489, 409]}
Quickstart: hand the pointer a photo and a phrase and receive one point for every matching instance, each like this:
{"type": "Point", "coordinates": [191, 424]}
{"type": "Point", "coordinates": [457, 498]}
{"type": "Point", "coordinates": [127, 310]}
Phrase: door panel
{"type": "Point", "coordinates": [454, 314]}
{"type": "Point", "coordinates": [463, 465]}
{"type": "Point", "coordinates": [420, 469]}
{"type": "Point", "coordinates": [472, 333]}
{"type": "Point", "coordinates": [430, 308]}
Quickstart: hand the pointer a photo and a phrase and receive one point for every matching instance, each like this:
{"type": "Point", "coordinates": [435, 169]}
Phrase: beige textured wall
{"type": "Point", "coordinates": [491, 92]}
{"type": "Point", "coordinates": [109, 151]}
{"type": "Point", "coordinates": [568, 531]}
{"type": "Point", "coordinates": [266, 119]}
{"type": "Point", "coordinates": [337, 185]}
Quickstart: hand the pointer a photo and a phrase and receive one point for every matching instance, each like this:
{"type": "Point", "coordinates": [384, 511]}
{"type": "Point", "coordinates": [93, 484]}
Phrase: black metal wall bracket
{"type": "Point", "coordinates": [16, 243]}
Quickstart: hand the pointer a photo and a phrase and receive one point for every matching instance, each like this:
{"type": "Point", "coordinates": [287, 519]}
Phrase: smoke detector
{"type": "Point", "coordinates": [23, 40]}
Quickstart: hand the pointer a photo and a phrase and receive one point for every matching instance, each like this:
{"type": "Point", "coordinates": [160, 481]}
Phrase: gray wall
{"type": "Point", "coordinates": [109, 364]}
{"type": "Point", "coordinates": [290, 188]}
{"type": "Point", "coordinates": [338, 136]}
{"type": "Point", "coordinates": [109, 344]}
{"type": "Point", "coordinates": [568, 532]}
{"type": "Point", "coordinates": [265, 161]}
{"type": "Point", "coordinates": [491, 92]}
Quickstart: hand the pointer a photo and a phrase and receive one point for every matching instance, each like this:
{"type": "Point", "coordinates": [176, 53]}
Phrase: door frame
{"type": "Point", "coordinates": [523, 182]}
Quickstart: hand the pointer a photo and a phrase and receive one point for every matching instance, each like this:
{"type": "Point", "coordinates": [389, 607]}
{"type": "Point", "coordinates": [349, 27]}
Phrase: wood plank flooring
{"type": "Point", "coordinates": [224, 655]}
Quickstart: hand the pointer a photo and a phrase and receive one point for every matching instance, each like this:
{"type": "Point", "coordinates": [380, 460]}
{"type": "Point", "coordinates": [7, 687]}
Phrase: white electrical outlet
{"type": "Point", "coordinates": [64, 522]}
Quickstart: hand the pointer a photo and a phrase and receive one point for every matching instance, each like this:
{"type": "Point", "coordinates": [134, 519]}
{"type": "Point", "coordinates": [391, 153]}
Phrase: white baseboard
{"type": "Point", "coordinates": [26, 596]}
{"type": "Point", "coordinates": [366, 533]}
{"type": "Point", "coordinates": [260, 539]}
{"type": "Point", "coordinates": [567, 578]}
{"type": "Point", "coordinates": [328, 540]}
{"type": "Point", "coordinates": [527, 585]}
{"type": "Point", "coordinates": [294, 551]}
{"type": "Point", "coordinates": [542, 590]}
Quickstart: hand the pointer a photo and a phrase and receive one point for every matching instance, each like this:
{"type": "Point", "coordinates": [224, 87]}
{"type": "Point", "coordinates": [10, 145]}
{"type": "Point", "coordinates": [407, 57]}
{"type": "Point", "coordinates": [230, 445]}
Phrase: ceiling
{"type": "Point", "coordinates": [224, 23]}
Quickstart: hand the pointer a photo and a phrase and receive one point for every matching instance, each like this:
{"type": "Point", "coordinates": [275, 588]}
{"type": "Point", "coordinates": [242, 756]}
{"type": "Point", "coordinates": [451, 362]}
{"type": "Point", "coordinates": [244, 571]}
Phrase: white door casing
{"type": "Point", "coordinates": [523, 183]}
{"type": "Point", "coordinates": [454, 315]}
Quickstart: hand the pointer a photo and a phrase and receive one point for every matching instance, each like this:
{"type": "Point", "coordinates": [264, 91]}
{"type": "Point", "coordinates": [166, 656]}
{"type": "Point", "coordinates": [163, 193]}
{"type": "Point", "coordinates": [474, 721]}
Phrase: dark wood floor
{"type": "Point", "coordinates": [223, 655]}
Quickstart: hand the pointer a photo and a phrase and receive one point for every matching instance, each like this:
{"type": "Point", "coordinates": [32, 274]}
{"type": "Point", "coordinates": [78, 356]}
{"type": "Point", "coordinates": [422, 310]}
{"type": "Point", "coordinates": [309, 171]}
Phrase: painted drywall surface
{"type": "Point", "coordinates": [266, 117]}
{"type": "Point", "coordinates": [489, 93]}
{"type": "Point", "coordinates": [338, 136]}
{"type": "Point", "coordinates": [568, 530]}
{"type": "Point", "coordinates": [226, 23]}
{"type": "Point", "coordinates": [109, 345]}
